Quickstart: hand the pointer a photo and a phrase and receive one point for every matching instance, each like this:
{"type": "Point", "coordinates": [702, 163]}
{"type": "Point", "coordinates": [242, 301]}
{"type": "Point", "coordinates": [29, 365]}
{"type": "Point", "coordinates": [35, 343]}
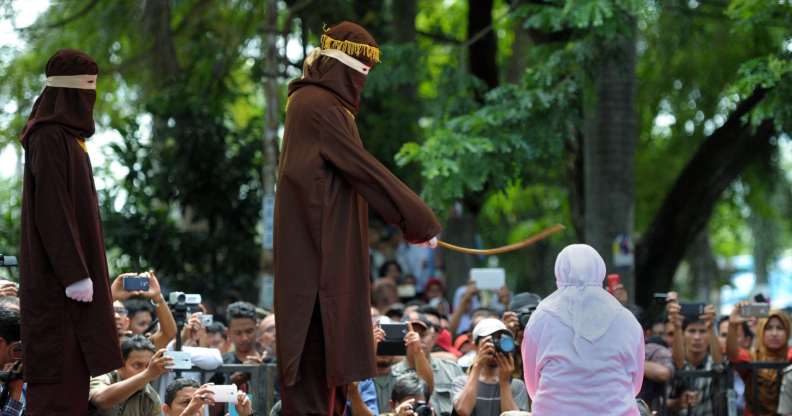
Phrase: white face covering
{"type": "Point", "coordinates": [347, 60]}
{"type": "Point", "coordinates": [580, 301]}
{"type": "Point", "coordinates": [83, 82]}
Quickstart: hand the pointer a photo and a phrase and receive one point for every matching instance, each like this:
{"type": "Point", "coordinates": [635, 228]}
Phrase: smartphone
{"type": "Point", "coordinates": [492, 278]}
{"type": "Point", "coordinates": [224, 393]}
{"type": "Point", "coordinates": [181, 360]}
{"type": "Point", "coordinates": [755, 310]}
{"type": "Point", "coordinates": [393, 344]}
{"type": "Point", "coordinates": [207, 319]}
{"type": "Point", "coordinates": [139, 283]}
{"type": "Point", "coordinates": [692, 310]}
{"type": "Point", "coordinates": [661, 297]}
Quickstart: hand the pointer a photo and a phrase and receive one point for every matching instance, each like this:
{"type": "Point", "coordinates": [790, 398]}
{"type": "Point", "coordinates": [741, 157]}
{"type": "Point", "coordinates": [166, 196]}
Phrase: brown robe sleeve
{"type": "Point", "coordinates": [54, 210]}
{"type": "Point", "coordinates": [390, 197]}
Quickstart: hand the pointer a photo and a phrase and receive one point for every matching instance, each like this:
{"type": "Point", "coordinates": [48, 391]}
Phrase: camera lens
{"type": "Point", "coordinates": [505, 344]}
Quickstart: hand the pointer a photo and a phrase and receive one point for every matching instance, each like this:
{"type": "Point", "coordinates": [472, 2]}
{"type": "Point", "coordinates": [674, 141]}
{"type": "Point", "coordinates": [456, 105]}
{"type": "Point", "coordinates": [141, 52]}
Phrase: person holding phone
{"type": "Point", "coordinates": [772, 345]}
{"type": "Point", "coordinates": [695, 346]}
{"type": "Point", "coordinates": [12, 399]}
{"type": "Point", "coordinates": [141, 303]}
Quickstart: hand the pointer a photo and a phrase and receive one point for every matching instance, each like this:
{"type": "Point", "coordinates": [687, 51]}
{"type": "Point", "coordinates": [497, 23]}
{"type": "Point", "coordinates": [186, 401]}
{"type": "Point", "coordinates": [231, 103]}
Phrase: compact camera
{"type": "Point", "coordinates": [185, 298]}
{"type": "Point", "coordinates": [139, 283]}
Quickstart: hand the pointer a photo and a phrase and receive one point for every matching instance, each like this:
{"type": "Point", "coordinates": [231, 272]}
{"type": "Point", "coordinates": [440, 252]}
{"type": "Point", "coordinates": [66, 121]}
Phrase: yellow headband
{"type": "Point", "coordinates": [351, 48]}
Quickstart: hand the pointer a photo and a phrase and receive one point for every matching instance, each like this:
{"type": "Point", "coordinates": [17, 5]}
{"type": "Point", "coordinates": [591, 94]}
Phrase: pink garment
{"type": "Point", "coordinates": [583, 378]}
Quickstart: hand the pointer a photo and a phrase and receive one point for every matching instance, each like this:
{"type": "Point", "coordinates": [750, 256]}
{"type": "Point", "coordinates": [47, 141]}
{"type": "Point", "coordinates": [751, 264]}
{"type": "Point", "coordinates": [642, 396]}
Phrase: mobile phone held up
{"type": "Point", "coordinates": [139, 283]}
{"type": "Point", "coordinates": [393, 344]}
{"type": "Point", "coordinates": [755, 310]}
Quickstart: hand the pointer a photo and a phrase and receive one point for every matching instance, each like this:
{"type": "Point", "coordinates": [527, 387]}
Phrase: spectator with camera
{"type": "Point", "coordinates": [185, 397]}
{"type": "Point", "coordinates": [738, 386]}
{"type": "Point", "coordinates": [772, 345]}
{"type": "Point", "coordinates": [12, 386]}
{"type": "Point", "coordinates": [695, 347]}
{"type": "Point", "coordinates": [658, 369]}
{"type": "Point", "coordinates": [266, 338]}
{"type": "Point", "coordinates": [141, 303]}
{"type": "Point", "coordinates": [409, 397]}
{"type": "Point", "coordinates": [468, 299]}
{"type": "Point", "coordinates": [489, 388]}
{"type": "Point", "coordinates": [127, 391]}
{"type": "Point", "coordinates": [442, 372]}
{"type": "Point", "coordinates": [242, 324]}
{"type": "Point", "coordinates": [215, 337]}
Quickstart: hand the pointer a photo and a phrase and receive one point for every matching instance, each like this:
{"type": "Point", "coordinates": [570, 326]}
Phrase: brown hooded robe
{"type": "Point", "coordinates": [62, 240]}
{"type": "Point", "coordinates": [326, 181]}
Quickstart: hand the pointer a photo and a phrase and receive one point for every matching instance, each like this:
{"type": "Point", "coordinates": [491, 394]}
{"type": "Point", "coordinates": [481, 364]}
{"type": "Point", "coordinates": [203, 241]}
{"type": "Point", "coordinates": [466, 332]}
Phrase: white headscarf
{"type": "Point", "coordinates": [580, 302]}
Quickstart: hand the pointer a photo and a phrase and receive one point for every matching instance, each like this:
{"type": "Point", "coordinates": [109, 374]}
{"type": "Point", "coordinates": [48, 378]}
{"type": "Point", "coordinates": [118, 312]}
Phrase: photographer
{"type": "Point", "coordinates": [489, 388]}
{"type": "Point", "coordinates": [515, 318]}
{"type": "Point", "coordinates": [11, 395]}
{"type": "Point", "coordinates": [695, 347]}
{"type": "Point", "coordinates": [140, 319]}
{"type": "Point", "coordinates": [409, 397]}
{"type": "Point", "coordinates": [772, 339]}
{"type": "Point", "coordinates": [126, 391]}
{"type": "Point", "coordinates": [184, 397]}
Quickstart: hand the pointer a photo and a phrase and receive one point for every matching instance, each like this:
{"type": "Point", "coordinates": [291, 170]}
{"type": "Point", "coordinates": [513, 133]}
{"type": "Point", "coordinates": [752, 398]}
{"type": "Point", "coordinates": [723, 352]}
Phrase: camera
{"type": "Point", "coordinates": [503, 342]}
{"type": "Point", "coordinates": [139, 283]}
{"type": "Point", "coordinates": [185, 298]}
{"type": "Point", "coordinates": [8, 261]}
{"type": "Point", "coordinates": [422, 409]}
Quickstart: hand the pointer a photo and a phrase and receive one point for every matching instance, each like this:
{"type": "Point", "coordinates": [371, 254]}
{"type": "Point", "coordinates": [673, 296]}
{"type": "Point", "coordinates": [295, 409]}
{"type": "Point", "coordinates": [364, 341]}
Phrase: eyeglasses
{"type": "Point", "coordinates": [122, 311]}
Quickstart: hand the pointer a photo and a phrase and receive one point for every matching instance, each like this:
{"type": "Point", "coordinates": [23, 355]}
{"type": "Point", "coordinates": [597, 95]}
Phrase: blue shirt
{"type": "Point", "coordinates": [368, 393]}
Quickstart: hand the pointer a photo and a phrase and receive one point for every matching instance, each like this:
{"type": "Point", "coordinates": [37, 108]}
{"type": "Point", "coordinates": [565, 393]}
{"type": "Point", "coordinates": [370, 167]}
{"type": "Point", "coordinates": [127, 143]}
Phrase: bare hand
{"type": "Point", "coordinates": [156, 366]}
{"type": "Point", "coordinates": [254, 358]}
{"type": "Point", "coordinates": [504, 296]}
{"type": "Point", "coordinates": [379, 336]}
{"type": "Point", "coordinates": [673, 310]}
{"type": "Point", "coordinates": [154, 291]}
{"type": "Point", "coordinates": [243, 405]}
{"type": "Point", "coordinates": [202, 396]}
{"type": "Point", "coordinates": [486, 352]}
{"type": "Point", "coordinates": [405, 409]}
{"type": "Point", "coordinates": [505, 367]}
{"type": "Point", "coordinates": [512, 322]}
{"type": "Point", "coordinates": [470, 291]}
{"type": "Point", "coordinates": [735, 317]}
{"type": "Point", "coordinates": [117, 288]}
{"type": "Point", "coordinates": [9, 289]}
{"type": "Point", "coordinates": [412, 340]}
{"type": "Point", "coordinates": [709, 315]}
{"type": "Point", "coordinates": [192, 331]}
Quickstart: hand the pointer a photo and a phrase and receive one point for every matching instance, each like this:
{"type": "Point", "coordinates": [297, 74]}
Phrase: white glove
{"type": "Point", "coordinates": [431, 243]}
{"type": "Point", "coordinates": [81, 291]}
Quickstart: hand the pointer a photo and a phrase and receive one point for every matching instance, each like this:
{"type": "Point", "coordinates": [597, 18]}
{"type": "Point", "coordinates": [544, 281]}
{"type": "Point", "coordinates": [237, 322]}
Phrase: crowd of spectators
{"type": "Point", "coordinates": [461, 350]}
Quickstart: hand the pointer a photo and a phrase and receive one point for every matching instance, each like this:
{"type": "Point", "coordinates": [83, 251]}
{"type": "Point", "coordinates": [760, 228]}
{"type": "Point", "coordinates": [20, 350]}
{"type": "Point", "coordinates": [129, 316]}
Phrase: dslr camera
{"type": "Point", "coordinates": [422, 409]}
{"type": "Point", "coordinates": [503, 342]}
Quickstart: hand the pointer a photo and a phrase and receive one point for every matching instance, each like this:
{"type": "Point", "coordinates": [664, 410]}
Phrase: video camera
{"type": "Point", "coordinates": [183, 305]}
{"type": "Point", "coordinates": [8, 261]}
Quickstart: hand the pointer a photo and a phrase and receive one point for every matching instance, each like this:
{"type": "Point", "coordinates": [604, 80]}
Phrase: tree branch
{"type": "Point", "coordinates": [687, 207]}
{"type": "Point", "coordinates": [62, 22]}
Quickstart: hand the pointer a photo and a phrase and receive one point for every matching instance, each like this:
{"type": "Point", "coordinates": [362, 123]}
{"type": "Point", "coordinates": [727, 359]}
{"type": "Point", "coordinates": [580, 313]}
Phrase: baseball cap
{"type": "Point", "coordinates": [488, 327]}
{"type": "Point", "coordinates": [444, 341]}
{"type": "Point", "coordinates": [460, 341]}
{"type": "Point", "coordinates": [524, 300]}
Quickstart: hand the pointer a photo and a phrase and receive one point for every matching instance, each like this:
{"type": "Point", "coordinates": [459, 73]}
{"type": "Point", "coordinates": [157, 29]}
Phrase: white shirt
{"type": "Point", "coordinates": [594, 378]}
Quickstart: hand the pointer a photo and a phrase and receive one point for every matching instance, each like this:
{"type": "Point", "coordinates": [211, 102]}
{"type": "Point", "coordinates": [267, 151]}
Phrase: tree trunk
{"type": "Point", "coordinates": [269, 169]}
{"type": "Point", "coordinates": [703, 267]}
{"type": "Point", "coordinates": [460, 230]}
{"type": "Point", "coordinates": [716, 164]}
{"type": "Point", "coordinates": [609, 152]}
{"type": "Point", "coordinates": [482, 51]}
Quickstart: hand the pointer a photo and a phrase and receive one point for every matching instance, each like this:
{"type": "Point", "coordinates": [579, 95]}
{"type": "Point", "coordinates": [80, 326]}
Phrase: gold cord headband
{"type": "Point", "coordinates": [351, 48]}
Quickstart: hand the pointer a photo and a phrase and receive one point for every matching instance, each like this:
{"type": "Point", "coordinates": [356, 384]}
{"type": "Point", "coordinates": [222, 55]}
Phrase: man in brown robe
{"type": "Point", "coordinates": [326, 181]}
{"type": "Point", "coordinates": [68, 328]}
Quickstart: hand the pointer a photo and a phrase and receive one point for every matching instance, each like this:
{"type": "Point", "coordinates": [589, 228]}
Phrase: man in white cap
{"type": "Point", "coordinates": [583, 352]}
{"type": "Point", "coordinates": [489, 388]}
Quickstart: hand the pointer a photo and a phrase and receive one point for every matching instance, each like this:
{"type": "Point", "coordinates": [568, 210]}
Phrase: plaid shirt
{"type": "Point", "coordinates": [702, 385]}
{"type": "Point", "coordinates": [12, 408]}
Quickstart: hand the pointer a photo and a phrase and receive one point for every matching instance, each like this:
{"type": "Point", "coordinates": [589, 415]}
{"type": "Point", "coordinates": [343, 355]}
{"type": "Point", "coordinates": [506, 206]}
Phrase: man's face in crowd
{"type": "Point", "coordinates": [267, 333]}
{"type": "Point", "coordinates": [723, 332]}
{"type": "Point", "coordinates": [434, 291]}
{"type": "Point", "coordinates": [696, 337]}
{"type": "Point", "coordinates": [136, 363]}
{"type": "Point", "coordinates": [9, 351]}
{"type": "Point", "coordinates": [180, 402]}
{"type": "Point", "coordinates": [213, 340]}
{"type": "Point", "coordinates": [668, 336]}
{"type": "Point", "coordinates": [658, 329]}
{"type": "Point", "coordinates": [384, 364]}
{"type": "Point", "coordinates": [140, 322]}
{"type": "Point", "coordinates": [121, 317]}
{"type": "Point", "coordinates": [242, 333]}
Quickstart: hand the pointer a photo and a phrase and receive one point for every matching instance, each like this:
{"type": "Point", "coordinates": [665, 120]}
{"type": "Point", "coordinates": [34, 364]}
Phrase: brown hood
{"type": "Point", "coordinates": [762, 353]}
{"type": "Point", "coordinates": [70, 108]}
{"type": "Point", "coordinates": [328, 73]}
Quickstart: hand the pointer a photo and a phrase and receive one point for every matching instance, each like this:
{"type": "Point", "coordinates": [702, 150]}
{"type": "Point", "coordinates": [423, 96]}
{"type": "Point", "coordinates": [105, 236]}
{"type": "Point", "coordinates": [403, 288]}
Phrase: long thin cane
{"type": "Point", "coordinates": [504, 249]}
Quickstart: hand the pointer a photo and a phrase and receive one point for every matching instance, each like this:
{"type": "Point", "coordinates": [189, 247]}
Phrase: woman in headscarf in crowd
{"type": "Point", "coordinates": [583, 352]}
{"type": "Point", "coordinates": [771, 345]}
